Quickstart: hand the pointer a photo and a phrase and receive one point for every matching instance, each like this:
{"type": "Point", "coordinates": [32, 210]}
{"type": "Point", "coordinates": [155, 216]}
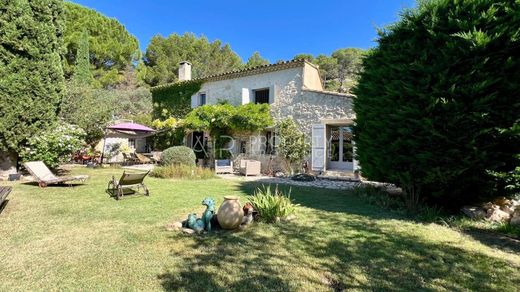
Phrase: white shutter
{"type": "Point", "coordinates": [195, 100]}
{"type": "Point", "coordinates": [318, 147]}
{"type": "Point", "coordinates": [245, 96]}
{"type": "Point", "coordinates": [272, 94]}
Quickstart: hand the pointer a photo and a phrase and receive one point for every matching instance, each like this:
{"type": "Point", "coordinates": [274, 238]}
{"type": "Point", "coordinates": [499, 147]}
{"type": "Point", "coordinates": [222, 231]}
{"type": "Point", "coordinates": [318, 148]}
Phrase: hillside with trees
{"type": "Point", "coordinates": [339, 71]}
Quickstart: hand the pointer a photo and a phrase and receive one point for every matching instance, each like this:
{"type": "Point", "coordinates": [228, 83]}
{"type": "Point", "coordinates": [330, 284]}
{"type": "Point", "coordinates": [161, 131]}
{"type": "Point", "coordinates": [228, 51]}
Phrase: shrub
{"type": "Point", "coordinates": [437, 104]}
{"type": "Point", "coordinates": [182, 172]}
{"type": "Point", "coordinates": [272, 205]}
{"type": "Point", "coordinates": [292, 146]}
{"type": "Point", "coordinates": [31, 82]}
{"type": "Point", "coordinates": [54, 145]}
{"type": "Point", "coordinates": [178, 155]}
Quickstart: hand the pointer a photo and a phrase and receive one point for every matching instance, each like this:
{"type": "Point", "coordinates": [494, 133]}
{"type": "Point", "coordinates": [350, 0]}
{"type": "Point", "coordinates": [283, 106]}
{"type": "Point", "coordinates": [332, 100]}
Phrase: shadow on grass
{"type": "Point", "coordinates": [61, 185]}
{"type": "Point", "coordinates": [335, 245]}
{"type": "Point", "coordinates": [495, 240]}
{"type": "Point", "coordinates": [3, 205]}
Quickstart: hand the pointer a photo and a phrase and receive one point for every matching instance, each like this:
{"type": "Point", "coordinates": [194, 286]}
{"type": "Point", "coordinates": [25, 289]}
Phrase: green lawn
{"type": "Point", "coordinates": [78, 238]}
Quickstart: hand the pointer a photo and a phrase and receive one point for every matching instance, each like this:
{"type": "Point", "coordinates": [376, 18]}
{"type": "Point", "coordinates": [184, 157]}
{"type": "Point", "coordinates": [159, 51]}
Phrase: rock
{"type": "Point", "coordinates": [516, 213]}
{"type": "Point", "coordinates": [497, 215]}
{"type": "Point", "coordinates": [502, 201]}
{"type": "Point", "coordinates": [474, 212]}
{"type": "Point", "coordinates": [174, 226]}
{"type": "Point", "coordinates": [515, 221]}
{"type": "Point", "coordinates": [188, 231]}
{"type": "Point", "coordinates": [488, 206]}
{"type": "Point", "coordinates": [279, 174]}
{"type": "Point", "coordinates": [508, 209]}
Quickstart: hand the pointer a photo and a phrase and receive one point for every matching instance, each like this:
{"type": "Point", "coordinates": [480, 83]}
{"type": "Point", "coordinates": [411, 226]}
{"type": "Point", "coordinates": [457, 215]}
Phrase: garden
{"type": "Point", "coordinates": [79, 238]}
{"type": "Point", "coordinates": [435, 204]}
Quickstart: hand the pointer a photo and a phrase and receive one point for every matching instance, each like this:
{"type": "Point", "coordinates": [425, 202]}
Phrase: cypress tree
{"type": "Point", "coordinates": [82, 74]}
{"type": "Point", "coordinates": [438, 102]}
{"type": "Point", "coordinates": [31, 75]}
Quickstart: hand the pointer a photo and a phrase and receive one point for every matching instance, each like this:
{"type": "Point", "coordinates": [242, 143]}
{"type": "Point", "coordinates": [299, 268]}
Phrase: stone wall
{"type": "Point", "coordinates": [308, 107]}
{"type": "Point", "coordinates": [241, 90]}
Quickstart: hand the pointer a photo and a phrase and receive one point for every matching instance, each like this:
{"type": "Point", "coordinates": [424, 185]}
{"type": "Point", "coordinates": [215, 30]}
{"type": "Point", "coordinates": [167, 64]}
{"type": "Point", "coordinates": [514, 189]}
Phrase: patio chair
{"type": "Point", "coordinates": [127, 183]}
{"type": "Point", "coordinates": [223, 166]}
{"type": "Point", "coordinates": [45, 177]}
{"type": "Point", "coordinates": [4, 192]}
{"type": "Point", "coordinates": [129, 159]}
{"type": "Point", "coordinates": [250, 167]}
{"type": "Point", "coordinates": [142, 159]}
{"type": "Point", "coordinates": [156, 156]}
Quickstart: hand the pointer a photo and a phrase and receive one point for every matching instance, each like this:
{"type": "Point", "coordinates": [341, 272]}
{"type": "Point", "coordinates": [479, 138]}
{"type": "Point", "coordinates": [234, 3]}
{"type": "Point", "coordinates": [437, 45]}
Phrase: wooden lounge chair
{"type": "Point", "coordinates": [126, 183]}
{"type": "Point", "coordinates": [4, 192]}
{"type": "Point", "coordinates": [142, 159]}
{"type": "Point", "coordinates": [45, 177]}
{"type": "Point", "coordinates": [129, 159]}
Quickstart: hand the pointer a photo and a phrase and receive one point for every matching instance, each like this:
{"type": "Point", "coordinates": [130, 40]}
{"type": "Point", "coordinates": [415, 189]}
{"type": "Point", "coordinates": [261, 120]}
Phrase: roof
{"type": "Point", "coordinates": [131, 127]}
{"type": "Point", "coordinates": [282, 65]}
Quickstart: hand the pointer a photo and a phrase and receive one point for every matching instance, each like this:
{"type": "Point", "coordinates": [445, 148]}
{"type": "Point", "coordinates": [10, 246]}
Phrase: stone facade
{"type": "Point", "coordinates": [308, 107]}
{"type": "Point", "coordinates": [295, 91]}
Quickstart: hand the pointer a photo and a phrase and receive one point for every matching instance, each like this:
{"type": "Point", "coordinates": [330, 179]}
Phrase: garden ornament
{"type": "Point", "coordinates": [203, 223]}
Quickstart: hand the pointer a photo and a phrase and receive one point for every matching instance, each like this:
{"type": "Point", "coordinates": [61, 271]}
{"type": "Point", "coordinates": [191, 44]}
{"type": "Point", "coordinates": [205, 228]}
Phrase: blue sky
{"type": "Point", "coordinates": [278, 29]}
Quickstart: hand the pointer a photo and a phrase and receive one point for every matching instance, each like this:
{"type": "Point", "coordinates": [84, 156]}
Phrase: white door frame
{"type": "Point", "coordinates": [340, 164]}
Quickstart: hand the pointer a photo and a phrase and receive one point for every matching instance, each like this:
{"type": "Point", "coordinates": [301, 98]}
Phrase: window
{"type": "Point", "coordinates": [131, 143]}
{"type": "Point", "coordinates": [242, 146]}
{"type": "Point", "coordinates": [202, 99]}
{"type": "Point", "coordinates": [262, 95]}
{"type": "Point", "coordinates": [270, 145]}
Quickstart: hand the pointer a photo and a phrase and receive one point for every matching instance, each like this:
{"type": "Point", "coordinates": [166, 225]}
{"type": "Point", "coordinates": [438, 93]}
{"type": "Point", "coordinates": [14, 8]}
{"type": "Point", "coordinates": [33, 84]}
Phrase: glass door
{"type": "Point", "coordinates": [340, 148]}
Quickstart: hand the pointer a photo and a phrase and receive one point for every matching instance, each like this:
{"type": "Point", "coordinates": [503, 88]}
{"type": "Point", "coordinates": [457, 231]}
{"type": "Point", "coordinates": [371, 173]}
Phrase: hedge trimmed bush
{"type": "Point", "coordinates": [31, 74]}
{"type": "Point", "coordinates": [437, 104]}
{"type": "Point", "coordinates": [178, 155]}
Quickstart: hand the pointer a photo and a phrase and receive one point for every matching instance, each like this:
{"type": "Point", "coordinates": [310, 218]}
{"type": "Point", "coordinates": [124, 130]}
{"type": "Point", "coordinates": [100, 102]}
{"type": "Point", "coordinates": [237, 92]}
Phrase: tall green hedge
{"type": "Point", "coordinates": [31, 75]}
{"type": "Point", "coordinates": [174, 100]}
{"type": "Point", "coordinates": [438, 103]}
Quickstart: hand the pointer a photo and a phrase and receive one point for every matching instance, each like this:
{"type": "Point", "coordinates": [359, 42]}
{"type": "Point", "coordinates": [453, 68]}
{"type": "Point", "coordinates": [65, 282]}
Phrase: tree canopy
{"type": "Point", "coordinates": [339, 71]}
{"type": "Point", "coordinates": [163, 56]}
{"type": "Point", "coordinates": [112, 48]}
{"type": "Point", "coordinates": [256, 60]}
{"type": "Point", "coordinates": [437, 104]}
{"type": "Point", "coordinates": [31, 75]}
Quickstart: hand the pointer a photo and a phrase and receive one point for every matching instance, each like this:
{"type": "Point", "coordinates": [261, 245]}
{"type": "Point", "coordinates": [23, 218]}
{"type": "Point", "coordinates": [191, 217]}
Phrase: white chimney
{"type": "Point", "coordinates": [184, 71]}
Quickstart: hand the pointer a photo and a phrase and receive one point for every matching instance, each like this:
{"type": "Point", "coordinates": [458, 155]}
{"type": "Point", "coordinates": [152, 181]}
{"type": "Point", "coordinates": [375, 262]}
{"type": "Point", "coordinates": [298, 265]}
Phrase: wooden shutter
{"type": "Point", "coordinates": [318, 147]}
{"type": "Point", "coordinates": [194, 100]}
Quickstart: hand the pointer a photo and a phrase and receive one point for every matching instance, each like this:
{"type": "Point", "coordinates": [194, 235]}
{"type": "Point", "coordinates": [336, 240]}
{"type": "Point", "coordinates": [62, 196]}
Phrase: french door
{"type": "Point", "coordinates": [340, 148]}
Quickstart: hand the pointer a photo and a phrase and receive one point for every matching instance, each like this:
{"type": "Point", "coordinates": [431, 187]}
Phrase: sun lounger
{"type": "Point", "coordinates": [126, 183]}
{"type": "Point", "coordinates": [142, 159]}
{"type": "Point", "coordinates": [4, 192]}
{"type": "Point", "coordinates": [45, 177]}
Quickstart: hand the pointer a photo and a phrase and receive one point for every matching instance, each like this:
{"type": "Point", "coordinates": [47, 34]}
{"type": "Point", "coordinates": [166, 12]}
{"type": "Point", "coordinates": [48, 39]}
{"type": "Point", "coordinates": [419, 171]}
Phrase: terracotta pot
{"type": "Point", "coordinates": [230, 213]}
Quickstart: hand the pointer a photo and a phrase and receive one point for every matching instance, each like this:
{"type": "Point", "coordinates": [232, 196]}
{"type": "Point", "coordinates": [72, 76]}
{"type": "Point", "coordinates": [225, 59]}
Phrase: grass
{"type": "Point", "coordinates": [78, 238]}
{"type": "Point", "coordinates": [182, 172]}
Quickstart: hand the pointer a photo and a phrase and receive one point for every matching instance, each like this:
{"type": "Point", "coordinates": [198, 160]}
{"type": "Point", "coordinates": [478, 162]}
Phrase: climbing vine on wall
{"type": "Point", "coordinates": [174, 100]}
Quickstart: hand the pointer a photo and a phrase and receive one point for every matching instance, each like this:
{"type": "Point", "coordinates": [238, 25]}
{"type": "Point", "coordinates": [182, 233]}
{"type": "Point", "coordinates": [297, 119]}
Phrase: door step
{"type": "Point", "coordinates": [339, 175]}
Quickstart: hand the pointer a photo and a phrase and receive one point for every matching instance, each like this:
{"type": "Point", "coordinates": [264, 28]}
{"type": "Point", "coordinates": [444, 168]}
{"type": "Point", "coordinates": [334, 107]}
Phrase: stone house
{"type": "Point", "coordinates": [294, 90]}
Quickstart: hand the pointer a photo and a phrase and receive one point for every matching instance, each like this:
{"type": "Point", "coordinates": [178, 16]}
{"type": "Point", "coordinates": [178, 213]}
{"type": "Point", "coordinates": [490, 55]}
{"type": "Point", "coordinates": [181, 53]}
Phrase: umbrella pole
{"type": "Point", "coordinates": [103, 150]}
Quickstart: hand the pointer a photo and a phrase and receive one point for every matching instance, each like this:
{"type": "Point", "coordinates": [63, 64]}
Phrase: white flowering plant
{"type": "Point", "coordinates": [54, 145]}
